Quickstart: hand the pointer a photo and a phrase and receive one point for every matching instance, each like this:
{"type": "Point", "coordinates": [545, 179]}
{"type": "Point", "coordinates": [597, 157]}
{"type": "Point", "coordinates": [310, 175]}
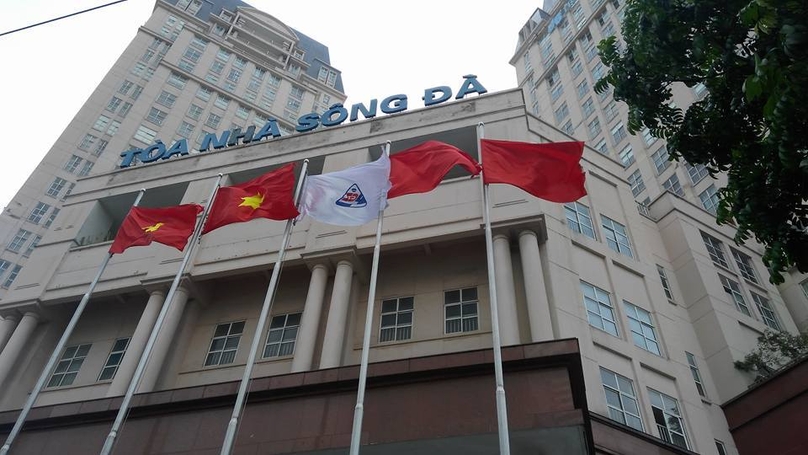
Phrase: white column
{"type": "Point", "coordinates": [164, 340]}
{"type": "Point", "coordinates": [7, 326]}
{"type": "Point", "coordinates": [136, 344]}
{"type": "Point", "coordinates": [506, 294]}
{"type": "Point", "coordinates": [538, 305]}
{"type": "Point", "coordinates": [337, 317]}
{"type": "Point", "coordinates": [307, 334]}
{"type": "Point", "coordinates": [16, 343]}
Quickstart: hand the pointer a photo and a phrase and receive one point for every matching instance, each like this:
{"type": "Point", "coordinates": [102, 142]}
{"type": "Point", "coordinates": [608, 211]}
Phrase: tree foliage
{"type": "Point", "coordinates": [774, 351]}
{"type": "Point", "coordinates": [752, 56]}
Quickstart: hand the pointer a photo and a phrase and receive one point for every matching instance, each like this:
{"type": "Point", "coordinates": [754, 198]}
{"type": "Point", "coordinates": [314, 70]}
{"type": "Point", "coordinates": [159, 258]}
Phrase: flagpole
{"type": "Point", "coordinates": [232, 426]}
{"type": "Point", "coordinates": [109, 443]}
{"type": "Point", "coordinates": [502, 409]}
{"type": "Point", "coordinates": [40, 383]}
{"type": "Point", "coordinates": [359, 410]}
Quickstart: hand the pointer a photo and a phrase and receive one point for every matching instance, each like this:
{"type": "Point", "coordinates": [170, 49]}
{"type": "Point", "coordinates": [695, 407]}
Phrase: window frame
{"type": "Point", "coordinates": [401, 331]}
{"type": "Point", "coordinates": [600, 305]}
{"type": "Point", "coordinates": [623, 396]}
{"type": "Point", "coordinates": [462, 317]}
{"type": "Point", "coordinates": [640, 325]}
{"type": "Point", "coordinates": [617, 241]}
{"type": "Point", "coordinates": [662, 398]}
{"type": "Point", "coordinates": [72, 354]}
{"type": "Point", "coordinates": [230, 351]}
{"type": "Point", "coordinates": [115, 364]}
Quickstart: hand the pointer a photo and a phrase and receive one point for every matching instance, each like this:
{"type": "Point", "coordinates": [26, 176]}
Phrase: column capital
{"type": "Point", "coordinates": [515, 227]}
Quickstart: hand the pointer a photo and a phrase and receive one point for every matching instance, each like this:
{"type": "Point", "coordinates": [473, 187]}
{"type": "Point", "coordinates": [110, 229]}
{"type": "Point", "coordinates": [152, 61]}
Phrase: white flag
{"type": "Point", "coordinates": [351, 197]}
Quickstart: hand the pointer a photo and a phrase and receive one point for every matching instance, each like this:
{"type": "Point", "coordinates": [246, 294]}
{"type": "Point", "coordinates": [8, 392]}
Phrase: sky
{"type": "Point", "coordinates": [382, 48]}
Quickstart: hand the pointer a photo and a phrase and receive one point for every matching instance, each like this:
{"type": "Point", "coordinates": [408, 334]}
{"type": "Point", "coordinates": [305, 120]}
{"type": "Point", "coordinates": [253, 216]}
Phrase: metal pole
{"type": "Point", "coordinates": [40, 383]}
{"type": "Point", "coordinates": [359, 410]}
{"type": "Point", "coordinates": [109, 443]}
{"type": "Point", "coordinates": [232, 426]}
{"type": "Point", "coordinates": [502, 409]}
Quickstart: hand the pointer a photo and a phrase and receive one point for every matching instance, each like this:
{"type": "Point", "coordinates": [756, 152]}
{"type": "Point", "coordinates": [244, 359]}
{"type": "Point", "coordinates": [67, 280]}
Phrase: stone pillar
{"type": "Point", "coordinates": [7, 326]}
{"type": "Point", "coordinates": [506, 294]}
{"type": "Point", "coordinates": [310, 321]}
{"type": "Point", "coordinates": [16, 343]}
{"type": "Point", "coordinates": [136, 344]}
{"type": "Point", "coordinates": [337, 317]}
{"type": "Point", "coordinates": [164, 340]}
{"type": "Point", "coordinates": [538, 305]}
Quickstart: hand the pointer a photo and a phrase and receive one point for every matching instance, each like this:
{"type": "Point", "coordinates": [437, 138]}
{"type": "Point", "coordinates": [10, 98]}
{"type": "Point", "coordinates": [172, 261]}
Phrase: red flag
{"type": "Point", "coordinates": [550, 171]}
{"type": "Point", "coordinates": [268, 196]}
{"type": "Point", "coordinates": [168, 225]}
{"type": "Point", "coordinates": [420, 169]}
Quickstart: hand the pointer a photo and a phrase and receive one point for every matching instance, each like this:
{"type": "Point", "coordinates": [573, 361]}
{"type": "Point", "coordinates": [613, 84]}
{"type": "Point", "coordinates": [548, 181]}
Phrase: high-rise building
{"type": "Point", "coordinates": [557, 66]}
{"type": "Point", "coordinates": [195, 67]}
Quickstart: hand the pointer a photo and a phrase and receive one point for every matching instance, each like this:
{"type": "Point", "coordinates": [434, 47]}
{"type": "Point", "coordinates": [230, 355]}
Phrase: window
{"type": "Point", "coordinates": [694, 370]}
{"type": "Point", "coordinates": [611, 110]}
{"type": "Point", "coordinates": [57, 209]}
{"type": "Point", "coordinates": [69, 365]}
{"type": "Point", "coordinates": [114, 359]}
{"type": "Point", "coordinates": [136, 92]}
{"type": "Point", "coordinates": [240, 62]}
{"type": "Point", "coordinates": [223, 55]}
{"type": "Point", "coordinates": [594, 128]}
{"type": "Point", "coordinates": [620, 399]}
{"type": "Point", "coordinates": [72, 163]}
{"type": "Point", "coordinates": [709, 199]}
{"type": "Point", "coordinates": [254, 85]}
{"type": "Point", "coordinates": [745, 266]}
{"type": "Point", "coordinates": [102, 144]}
{"type": "Point", "coordinates": [195, 111]}
{"type": "Point", "coordinates": [192, 54]}
{"type": "Point", "coordinates": [460, 310]}
{"type": "Point", "coordinates": [85, 170]}
{"type": "Point", "coordinates": [666, 286]}
{"type": "Point", "coordinates": [578, 219]}
{"type": "Point", "coordinates": [39, 210]}
{"type": "Point", "coordinates": [601, 146]}
{"type": "Point", "coordinates": [224, 344]}
{"type": "Point", "coordinates": [113, 104]}
{"type": "Point", "coordinates": [567, 128]}
{"type": "Point", "coordinates": [599, 310]}
{"type": "Point", "coordinates": [259, 73]}
{"type": "Point", "coordinates": [234, 74]}
{"type": "Point", "coordinates": [660, 158]}
{"type": "Point", "coordinates": [627, 157]}
{"type": "Point", "coordinates": [274, 80]}
{"type": "Point", "coordinates": [766, 311]}
{"type": "Point", "coordinates": [296, 92]}
{"type": "Point", "coordinates": [221, 102]}
{"type": "Point", "coordinates": [156, 116]}
{"type": "Point", "coordinates": [597, 72]}
{"type": "Point", "coordinates": [229, 86]}
{"type": "Point", "coordinates": [715, 249]}
{"type": "Point", "coordinates": [616, 236]}
{"type": "Point", "coordinates": [396, 319]}
{"type": "Point", "coordinates": [697, 172]}
{"type": "Point", "coordinates": [185, 130]}
{"type": "Point", "coordinates": [87, 141]}
{"type": "Point", "coordinates": [213, 120]}
{"type": "Point", "coordinates": [139, 69]}
{"type": "Point", "coordinates": [3, 266]}
{"type": "Point", "coordinates": [642, 329]}
{"type": "Point", "coordinates": [56, 187]}
{"type": "Point", "coordinates": [668, 419]}
{"type": "Point", "coordinates": [804, 286]}
{"type": "Point", "coordinates": [637, 185]}
{"type": "Point", "coordinates": [577, 68]}
{"type": "Point", "coordinates": [18, 240]}
{"type": "Point", "coordinates": [125, 87]}
{"type": "Point", "coordinates": [562, 112]}
{"type": "Point", "coordinates": [556, 92]}
{"type": "Point", "coordinates": [145, 135]}
{"type": "Point", "coordinates": [282, 335]}
{"type": "Point", "coordinates": [147, 56]}
{"type": "Point", "coordinates": [242, 112]}
{"type": "Point", "coordinates": [648, 137]}
{"type": "Point", "coordinates": [12, 276]}
{"type": "Point", "coordinates": [34, 242]}
{"type": "Point", "coordinates": [125, 109]}
{"type": "Point", "coordinates": [734, 290]}
{"type": "Point", "coordinates": [293, 104]}
{"type": "Point", "coordinates": [204, 93]}
{"type": "Point", "coordinates": [167, 99]}
{"type": "Point", "coordinates": [113, 127]}
{"type": "Point", "coordinates": [588, 107]}
{"type": "Point", "coordinates": [699, 90]}
{"type": "Point", "coordinates": [177, 80]}
{"type": "Point", "coordinates": [619, 133]}
{"type": "Point", "coordinates": [672, 184]}
{"type": "Point", "coordinates": [101, 123]}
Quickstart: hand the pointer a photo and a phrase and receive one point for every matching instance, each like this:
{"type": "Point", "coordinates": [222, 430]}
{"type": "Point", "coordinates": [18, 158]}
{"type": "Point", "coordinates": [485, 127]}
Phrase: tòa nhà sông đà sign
{"type": "Point", "coordinates": [336, 115]}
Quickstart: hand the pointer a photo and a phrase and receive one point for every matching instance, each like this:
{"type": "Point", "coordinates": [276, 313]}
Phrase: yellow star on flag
{"type": "Point", "coordinates": [153, 227]}
{"type": "Point", "coordinates": [252, 201]}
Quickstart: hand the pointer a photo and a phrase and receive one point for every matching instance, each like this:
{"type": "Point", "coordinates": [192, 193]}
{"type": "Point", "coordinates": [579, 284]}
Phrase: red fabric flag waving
{"type": "Point", "coordinates": [420, 169]}
{"type": "Point", "coordinates": [550, 171]}
{"type": "Point", "coordinates": [268, 196]}
{"type": "Point", "coordinates": [168, 225]}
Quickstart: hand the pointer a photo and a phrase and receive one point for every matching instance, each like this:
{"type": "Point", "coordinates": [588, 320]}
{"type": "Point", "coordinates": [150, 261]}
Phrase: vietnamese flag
{"type": "Point", "coordinates": [550, 171]}
{"type": "Point", "coordinates": [421, 168]}
{"type": "Point", "coordinates": [268, 196]}
{"type": "Point", "coordinates": [168, 225]}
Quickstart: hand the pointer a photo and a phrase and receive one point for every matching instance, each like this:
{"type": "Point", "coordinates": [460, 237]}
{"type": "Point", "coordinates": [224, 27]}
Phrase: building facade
{"type": "Point", "coordinates": [658, 300]}
{"type": "Point", "coordinates": [193, 68]}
